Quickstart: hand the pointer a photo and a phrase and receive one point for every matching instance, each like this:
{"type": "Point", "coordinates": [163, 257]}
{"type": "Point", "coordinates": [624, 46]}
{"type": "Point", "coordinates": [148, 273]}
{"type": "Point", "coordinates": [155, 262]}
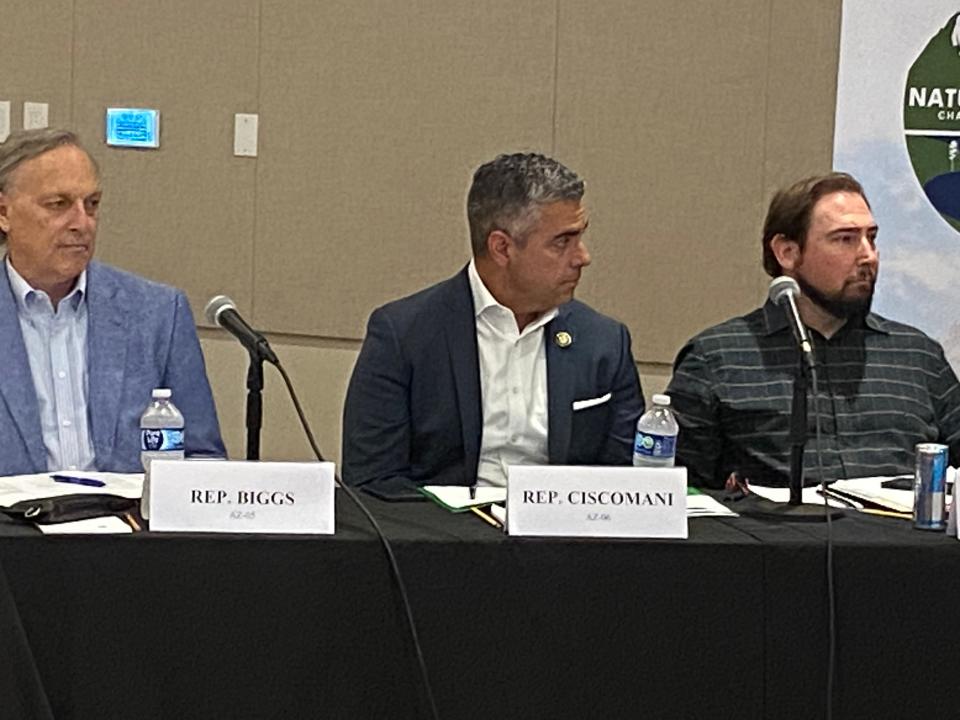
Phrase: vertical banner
{"type": "Point", "coordinates": [898, 132]}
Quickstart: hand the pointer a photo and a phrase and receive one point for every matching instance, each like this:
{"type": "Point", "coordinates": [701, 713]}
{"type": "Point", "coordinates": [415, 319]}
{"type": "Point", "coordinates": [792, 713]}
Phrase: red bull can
{"type": "Point", "coordinates": [930, 486]}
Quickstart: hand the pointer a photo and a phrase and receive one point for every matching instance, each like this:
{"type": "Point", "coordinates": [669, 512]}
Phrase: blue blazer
{"type": "Point", "coordinates": [413, 412]}
{"type": "Point", "coordinates": [140, 335]}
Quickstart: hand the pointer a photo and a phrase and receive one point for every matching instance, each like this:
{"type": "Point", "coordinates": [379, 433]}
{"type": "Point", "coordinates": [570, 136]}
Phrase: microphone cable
{"type": "Point", "coordinates": [785, 288]}
{"type": "Point", "coordinates": [831, 589]}
{"type": "Point", "coordinates": [388, 549]}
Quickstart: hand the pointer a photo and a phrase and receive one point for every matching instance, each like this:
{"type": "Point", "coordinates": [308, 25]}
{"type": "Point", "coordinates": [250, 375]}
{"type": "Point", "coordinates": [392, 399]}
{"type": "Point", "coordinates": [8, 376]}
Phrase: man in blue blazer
{"type": "Point", "coordinates": [497, 365]}
{"type": "Point", "coordinates": [82, 344]}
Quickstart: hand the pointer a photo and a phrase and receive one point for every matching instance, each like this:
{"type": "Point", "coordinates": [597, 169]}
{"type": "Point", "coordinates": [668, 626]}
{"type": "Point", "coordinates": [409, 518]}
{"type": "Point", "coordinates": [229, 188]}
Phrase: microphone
{"type": "Point", "coordinates": [784, 291]}
{"type": "Point", "coordinates": [222, 312]}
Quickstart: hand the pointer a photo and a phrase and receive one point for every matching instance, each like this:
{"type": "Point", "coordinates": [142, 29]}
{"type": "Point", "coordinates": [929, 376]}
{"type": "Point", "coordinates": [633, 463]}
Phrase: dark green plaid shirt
{"type": "Point", "coordinates": [883, 388]}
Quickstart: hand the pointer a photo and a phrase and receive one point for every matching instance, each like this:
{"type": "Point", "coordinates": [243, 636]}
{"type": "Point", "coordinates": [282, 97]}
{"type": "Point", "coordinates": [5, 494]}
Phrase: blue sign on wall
{"type": "Point", "coordinates": [133, 127]}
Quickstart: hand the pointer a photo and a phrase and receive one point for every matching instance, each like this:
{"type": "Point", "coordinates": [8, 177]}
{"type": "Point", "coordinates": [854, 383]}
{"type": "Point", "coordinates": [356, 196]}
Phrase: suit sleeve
{"type": "Point", "coordinates": [376, 415]}
{"type": "Point", "coordinates": [694, 402]}
{"type": "Point", "coordinates": [627, 406]}
{"type": "Point", "coordinates": [186, 375]}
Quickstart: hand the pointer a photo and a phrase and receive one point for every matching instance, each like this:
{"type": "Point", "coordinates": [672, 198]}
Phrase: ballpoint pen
{"type": "Point", "coordinates": [89, 482]}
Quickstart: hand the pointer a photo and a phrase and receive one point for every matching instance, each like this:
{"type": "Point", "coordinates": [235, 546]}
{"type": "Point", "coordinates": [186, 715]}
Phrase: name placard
{"type": "Point", "coordinates": [578, 501]}
{"type": "Point", "coordinates": [241, 497]}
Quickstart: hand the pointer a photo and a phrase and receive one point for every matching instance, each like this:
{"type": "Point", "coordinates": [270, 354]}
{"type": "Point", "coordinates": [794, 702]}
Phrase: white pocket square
{"type": "Point", "coordinates": [584, 404]}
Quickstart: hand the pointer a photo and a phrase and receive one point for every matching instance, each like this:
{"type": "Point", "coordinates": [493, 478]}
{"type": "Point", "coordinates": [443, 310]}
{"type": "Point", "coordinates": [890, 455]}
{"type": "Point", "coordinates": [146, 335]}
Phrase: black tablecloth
{"type": "Point", "coordinates": [731, 623]}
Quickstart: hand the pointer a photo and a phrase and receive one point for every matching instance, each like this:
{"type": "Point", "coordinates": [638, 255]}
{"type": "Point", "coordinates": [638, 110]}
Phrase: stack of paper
{"type": "Point", "coordinates": [16, 488]}
{"type": "Point", "coordinates": [867, 494]}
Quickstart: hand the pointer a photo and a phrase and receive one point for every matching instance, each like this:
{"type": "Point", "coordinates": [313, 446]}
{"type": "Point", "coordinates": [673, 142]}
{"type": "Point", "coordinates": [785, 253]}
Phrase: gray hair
{"type": "Point", "coordinates": [25, 145]}
{"type": "Point", "coordinates": [507, 194]}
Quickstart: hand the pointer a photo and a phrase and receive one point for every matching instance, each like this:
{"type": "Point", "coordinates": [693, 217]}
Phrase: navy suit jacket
{"type": "Point", "coordinates": [413, 413]}
{"type": "Point", "coordinates": [140, 335]}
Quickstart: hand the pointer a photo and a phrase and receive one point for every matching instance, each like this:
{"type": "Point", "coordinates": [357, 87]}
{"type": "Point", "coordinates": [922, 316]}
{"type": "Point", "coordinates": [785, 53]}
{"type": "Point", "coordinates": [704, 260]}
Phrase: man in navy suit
{"type": "Point", "coordinates": [498, 365]}
{"type": "Point", "coordinates": [82, 344]}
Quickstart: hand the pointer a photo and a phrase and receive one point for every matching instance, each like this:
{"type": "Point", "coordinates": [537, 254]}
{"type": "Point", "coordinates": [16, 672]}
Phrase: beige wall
{"type": "Point", "coordinates": [683, 116]}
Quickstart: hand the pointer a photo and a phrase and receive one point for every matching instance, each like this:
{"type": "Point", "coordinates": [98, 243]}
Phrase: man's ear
{"type": "Point", "coordinates": [4, 212]}
{"type": "Point", "coordinates": [786, 251]}
{"type": "Point", "coordinates": [499, 246]}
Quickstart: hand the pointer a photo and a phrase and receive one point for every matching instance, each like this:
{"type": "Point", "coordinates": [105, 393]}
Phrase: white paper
{"type": "Point", "coordinates": [14, 488]}
{"type": "Point", "coordinates": [705, 506]}
{"type": "Point", "coordinates": [782, 495]}
{"type": "Point", "coordinates": [869, 487]}
{"type": "Point", "coordinates": [872, 489]}
{"type": "Point", "coordinates": [109, 524]}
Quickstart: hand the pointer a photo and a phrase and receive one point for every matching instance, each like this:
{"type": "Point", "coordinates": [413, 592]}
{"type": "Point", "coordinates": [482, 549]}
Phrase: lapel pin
{"type": "Point", "coordinates": [563, 339]}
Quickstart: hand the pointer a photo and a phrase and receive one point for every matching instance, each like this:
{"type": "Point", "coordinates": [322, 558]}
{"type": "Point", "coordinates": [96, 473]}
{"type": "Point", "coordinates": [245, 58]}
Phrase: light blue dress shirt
{"type": "Point", "coordinates": [56, 342]}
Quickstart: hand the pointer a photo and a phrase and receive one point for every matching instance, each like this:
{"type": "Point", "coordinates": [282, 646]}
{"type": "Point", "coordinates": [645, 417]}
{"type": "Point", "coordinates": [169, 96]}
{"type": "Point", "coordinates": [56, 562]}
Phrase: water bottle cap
{"type": "Point", "coordinates": [161, 393]}
{"type": "Point", "coordinates": [660, 399]}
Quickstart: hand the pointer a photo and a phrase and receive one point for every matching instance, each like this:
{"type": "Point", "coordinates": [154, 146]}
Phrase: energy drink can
{"type": "Point", "coordinates": [929, 486]}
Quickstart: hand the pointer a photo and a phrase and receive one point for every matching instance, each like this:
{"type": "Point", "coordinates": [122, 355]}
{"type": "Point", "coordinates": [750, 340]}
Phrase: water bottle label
{"type": "Point", "coordinates": [655, 446]}
{"type": "Point", "coordinates": [159, 440]}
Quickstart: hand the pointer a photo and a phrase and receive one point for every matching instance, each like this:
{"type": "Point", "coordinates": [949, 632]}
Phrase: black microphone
{"type": "Point", "coordinates": [784, 291]}
{"type": "Point", "coordinates": [222, 312]}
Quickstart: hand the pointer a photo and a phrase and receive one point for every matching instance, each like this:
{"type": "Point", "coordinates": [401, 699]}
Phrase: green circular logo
{"type": "Point", "coordinates": [931, 120]}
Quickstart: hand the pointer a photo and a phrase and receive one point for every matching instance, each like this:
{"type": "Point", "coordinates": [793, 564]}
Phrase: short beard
{"type": "Point", "coordinates": [839, 308]}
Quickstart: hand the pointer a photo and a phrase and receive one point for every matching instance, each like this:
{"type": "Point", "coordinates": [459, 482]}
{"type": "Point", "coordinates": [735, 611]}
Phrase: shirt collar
{"type": "Point", "coordinates": [775, 320]}
{"type": "Point", "coordinates": [483, 299]}
{"type": "Point", "coordinates": [23, 292]}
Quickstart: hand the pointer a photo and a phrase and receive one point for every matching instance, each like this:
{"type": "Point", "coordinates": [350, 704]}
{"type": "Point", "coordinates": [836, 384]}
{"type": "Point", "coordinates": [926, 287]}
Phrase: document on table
{"type": "Point", "coordinates": [107, 525]}
{"type": "Point", "coordinates": [871, 491]}
{"type": "Point", "coordinates": [700, 505]}
{"type": "Point", "coordinates": [456, 498]}
{"type": "Point", "coordinates": [15, 488]}
{"type": "Point", "coordinates": [809, 495]}
{"type": "Point", "coordinates": [856, 493]}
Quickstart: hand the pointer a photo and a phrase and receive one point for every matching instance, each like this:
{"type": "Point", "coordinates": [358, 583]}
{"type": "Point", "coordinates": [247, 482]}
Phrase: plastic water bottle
{"type": "Point", "coordinates": [161, 438]}
{"type": "Point", "coordinates": [656, 443]}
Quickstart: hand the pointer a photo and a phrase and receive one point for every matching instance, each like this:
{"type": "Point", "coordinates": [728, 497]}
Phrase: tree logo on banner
{"type": "Point", "coordinates": [931, 120]}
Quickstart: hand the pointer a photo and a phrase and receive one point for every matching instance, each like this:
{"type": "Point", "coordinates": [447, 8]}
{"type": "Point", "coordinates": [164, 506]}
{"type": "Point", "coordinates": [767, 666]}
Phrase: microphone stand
{"type": "Point", "coordinates": [798, 431]}
{"type": "Point", "coordinates": [254, 404]}
{"type": "Point", "coordinates": [796, 509]}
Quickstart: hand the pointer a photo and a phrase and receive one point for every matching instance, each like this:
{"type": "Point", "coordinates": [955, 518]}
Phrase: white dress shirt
{"type": "Point", "coordinates": [513, 386]}
{"type": "Point", "coordinates": [56, 342]}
